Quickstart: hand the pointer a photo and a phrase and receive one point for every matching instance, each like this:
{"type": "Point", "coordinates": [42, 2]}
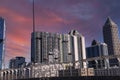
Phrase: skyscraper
{"type": "Point", "coordinates": [49, 47]}
{"type": "Point", "coordinates": [77, 47]}
{"type": "Point", "coordinates": [2, 41]}
{"type": "Point", "coordinates": [111, 37]}
{"type": "Point", "coordinates": [44, 44]}
{"type": "Point", "coordinates": [97, 50]}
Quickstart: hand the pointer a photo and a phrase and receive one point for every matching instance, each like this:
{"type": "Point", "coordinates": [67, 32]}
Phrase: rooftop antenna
{"type": "Point", "coordinates": [33, 17]}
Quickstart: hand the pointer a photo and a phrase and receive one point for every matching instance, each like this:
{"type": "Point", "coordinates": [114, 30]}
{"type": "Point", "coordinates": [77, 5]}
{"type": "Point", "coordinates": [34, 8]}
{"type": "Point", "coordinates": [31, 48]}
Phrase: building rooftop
{"type": "Point", "coordinates": [110, 22]}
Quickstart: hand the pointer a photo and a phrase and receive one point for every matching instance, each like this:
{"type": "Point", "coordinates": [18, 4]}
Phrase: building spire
{"type": "Point", "coordinates": [33, 16]}
{"type": "Point", "coordinates": [109, 22]}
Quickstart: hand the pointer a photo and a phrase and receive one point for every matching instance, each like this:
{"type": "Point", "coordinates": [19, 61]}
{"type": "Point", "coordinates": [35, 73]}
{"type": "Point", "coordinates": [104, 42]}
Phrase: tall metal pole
{"type": "Point", "coordinates": [34, 40]}
{"type": "Point", "coordinates": [33, 17]}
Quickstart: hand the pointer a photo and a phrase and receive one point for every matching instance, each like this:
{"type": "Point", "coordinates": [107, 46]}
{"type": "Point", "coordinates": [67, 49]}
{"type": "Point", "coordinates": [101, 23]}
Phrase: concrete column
{"type": "Point", "coordinates": [5, 76]}
{"type": "Point", "coordinates": [29, 73]}
{"type": "Point", "coordinates": [118, 62]}
{"type": "Point", "coordinates": [16, 72]}
{"type": "Point", "coordinates": [8, 75]}
{"type": "Point", "coordinates": [24, 73]}
{"type": "Point", "coordinates": [107, 63]}
{"type": "Point", "coordinates": [1, 76]}
{"type": "Point", "coordinates": [96, 64]}
{"type": "Point", "coordinates": [12, 74]}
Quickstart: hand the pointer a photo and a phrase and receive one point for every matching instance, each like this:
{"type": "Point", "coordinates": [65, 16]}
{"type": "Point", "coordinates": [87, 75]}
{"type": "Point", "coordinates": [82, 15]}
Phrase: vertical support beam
{"type": "Point", "coordinates": [107, 65]}
{"type": "Point", "coordinates": [12, 74]}
{"type": "Point", "coordinates": [5, 76]}
{"type": "Point", "coordinates": [96, 64]}
{"type": "Point", "coordinates": [16, 72]}
{"type": "Point", "coordinates": [1, 75]}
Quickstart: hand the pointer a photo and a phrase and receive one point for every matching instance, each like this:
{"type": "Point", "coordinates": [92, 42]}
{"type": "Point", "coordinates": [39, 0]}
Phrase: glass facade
{"type": "Point", "coordinates": [97, 50]}
{"type": "Point", "coordinates": [2, 38]}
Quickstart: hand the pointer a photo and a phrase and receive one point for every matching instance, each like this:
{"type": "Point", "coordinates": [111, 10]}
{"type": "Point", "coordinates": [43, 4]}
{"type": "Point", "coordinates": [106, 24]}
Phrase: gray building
{"type": "Point", "coordinates": [2, 42]}
{"type": "Point", "coordinates": [97, 50]}
{"type": "Point", "coordinates": [53, 47]}
{"type": "Point", "coordinates": [111, 37]}
{"type": "Point", "coordinates": [17, 62]}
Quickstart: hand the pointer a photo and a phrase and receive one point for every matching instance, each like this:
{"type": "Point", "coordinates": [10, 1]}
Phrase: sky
{"type": "Point", "coordinates": [56, 16]}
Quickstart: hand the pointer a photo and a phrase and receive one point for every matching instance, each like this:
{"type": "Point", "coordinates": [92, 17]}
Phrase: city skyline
{"type": "Point", "coordinates": [57, 17]}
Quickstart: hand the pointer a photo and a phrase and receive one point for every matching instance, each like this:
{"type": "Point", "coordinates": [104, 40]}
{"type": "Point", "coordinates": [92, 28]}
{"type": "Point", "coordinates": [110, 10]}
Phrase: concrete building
{"type": "Point", "coordinates": [97, 50]}
{"type": "Point", "coordinates": [53, 47]}
{"type": "Point", "coordinates": [2, 42]}
{"type": "Point", "coordinates": [17, 62]}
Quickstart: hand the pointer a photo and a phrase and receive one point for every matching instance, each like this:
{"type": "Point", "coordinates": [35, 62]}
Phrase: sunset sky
{"type": "Point", "coordinates": [86, 16]}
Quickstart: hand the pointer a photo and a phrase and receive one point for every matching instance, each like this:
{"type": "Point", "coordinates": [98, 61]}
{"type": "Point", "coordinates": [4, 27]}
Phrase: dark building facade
{"type": "Point", "coordinates": [2, 42]}
{"type": "Point", "coordinates": [111, 37]}
{"type": "Point", "coordinates": [17, 62]}
{"type": "Point", "coordinates": [97, 50]}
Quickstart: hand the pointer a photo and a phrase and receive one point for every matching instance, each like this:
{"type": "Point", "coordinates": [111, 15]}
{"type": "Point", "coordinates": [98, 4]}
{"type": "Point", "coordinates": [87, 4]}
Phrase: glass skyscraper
{"type": "Point", "coordinates": [2, 41]}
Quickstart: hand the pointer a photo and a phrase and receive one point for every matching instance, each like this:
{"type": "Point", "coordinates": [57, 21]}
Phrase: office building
{"type": "Point", "coordinates": [53, 47]}
{"type": "Point", "coordinates": [97, 50]}
{"type": "Point", "coordinates": [77, 47]}
{"type": "Point", "coordinates": [44, 44]}
{"type": "Point", "coordinates": [17, 62]}
{"type": "Point", "coordinates": [111, 37]}
{"type": "Point", "coordinates": [2, 42]}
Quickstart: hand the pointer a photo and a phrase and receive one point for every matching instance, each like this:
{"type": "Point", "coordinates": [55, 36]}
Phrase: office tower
{"type": "Point", "coordinates": [44, 44]}
{"type": "Point", "coordinates": [53, 47]}
{"type": "Point", "coordinates": [111, 37]}
{"type": "Point", "coordinates": [17, 62]}
{"type": "Point", "coordinates": [97, 50]}
{"type": "Point", "coordinates": [2, 42]}
{"type": "Point", "coordinates": [77, 47]}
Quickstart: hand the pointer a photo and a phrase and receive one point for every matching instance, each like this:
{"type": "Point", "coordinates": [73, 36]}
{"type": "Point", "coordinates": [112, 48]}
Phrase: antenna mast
{"type": "Point", "coordinates": [33, 17]}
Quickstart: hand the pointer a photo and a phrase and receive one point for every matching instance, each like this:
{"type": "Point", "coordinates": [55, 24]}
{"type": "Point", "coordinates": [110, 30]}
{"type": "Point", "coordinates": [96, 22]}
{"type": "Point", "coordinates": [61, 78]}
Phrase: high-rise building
{"type": "Point", "coordinates": [2, 42]}
{"type": "Point", "coordinates": [111, 37]}
{"type": "Point", "coordinates": [53, 47]}
{"type": "Point", "coordinates": [42, 45]}
{"type": "Point", "coordinates": [97, 50]}
{"type": "Point", "coordinates": [17, 62]}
